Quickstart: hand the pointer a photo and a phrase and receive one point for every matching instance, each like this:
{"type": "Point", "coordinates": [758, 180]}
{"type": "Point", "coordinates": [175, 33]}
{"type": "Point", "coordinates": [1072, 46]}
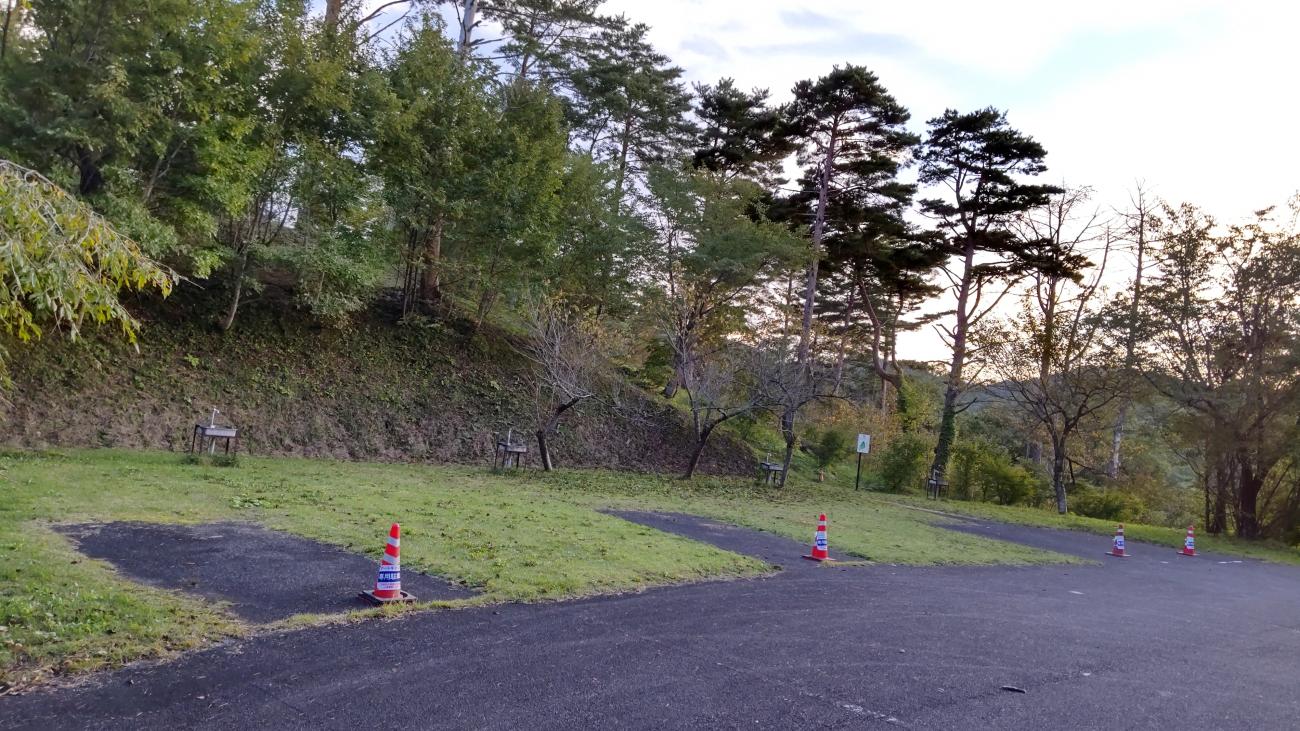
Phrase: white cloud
{"type": "Point", "coordinates": [1206, 116]}
{"type": "Point", "coordinates": [1195, 97]}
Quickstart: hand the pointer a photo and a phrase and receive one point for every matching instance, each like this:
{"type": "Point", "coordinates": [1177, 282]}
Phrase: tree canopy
{"type": "Point", "coordinates": [64, 265]}
{"type": "Point", "coordinates": [538, 171]}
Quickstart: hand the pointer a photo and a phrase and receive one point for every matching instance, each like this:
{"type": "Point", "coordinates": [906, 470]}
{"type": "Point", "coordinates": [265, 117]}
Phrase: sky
{"type": "Point", "coordinates": [1196, 99]}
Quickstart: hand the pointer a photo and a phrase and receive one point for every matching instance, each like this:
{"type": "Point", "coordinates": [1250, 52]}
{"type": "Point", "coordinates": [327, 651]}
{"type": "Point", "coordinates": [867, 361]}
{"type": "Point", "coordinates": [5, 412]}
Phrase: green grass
{"type": "Point", "coordinates": [526, 536]}
{"type": "Point", "coordinates": [858, 524]}
{"type": "Point", "coordinates": [1172, 537]}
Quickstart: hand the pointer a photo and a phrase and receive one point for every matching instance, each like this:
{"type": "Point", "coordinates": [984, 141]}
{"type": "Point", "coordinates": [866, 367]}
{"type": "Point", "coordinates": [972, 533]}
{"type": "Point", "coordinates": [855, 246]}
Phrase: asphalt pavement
{"type": "Point", "coordinates": [1155, 641]}
{"type": "Point", "coordinates": [262, 575]}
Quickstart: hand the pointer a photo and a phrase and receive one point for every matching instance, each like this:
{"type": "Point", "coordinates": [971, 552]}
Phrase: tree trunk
{"type": "Point", "coordinates": [676, 379]}
{"type": "Point", "coordinates": [844, 342]}
{"type": "Point", "coordinates": [1058, 474]}
{"type": "Point", "coordinates": [838, 379]}
{"type": "Point", "coordinates": [1035, 446]}
{"type": "Point", "coordinates": [809, 304]}
{"type": "Point", "coordinates": [621, 178]}
{"type": "Point", "coordinates": [228, 321]}
{"type": "Point", "coordinates": [1116, 439]}
{"type": "Point", "coordinates": [430, 278]}
{"type": "Point", "coordinates": [486, 301]}
{"type": "Point", "coordinates": [91, 178]}
{"type": "Point", "coordinates": [1218, 472]}
{"type": "Point", "coordinates": [549, 427]}
{"type": "Point", "coordinates": [948, 419]}
{"type": "Point", "coordinates": [947, 432]}
{"type": "Point", "coordinates": [1130, 341]}
{"type": "Point", "coordinates": [787, 431]}
{"type": "Point", "coordinates": [882, 348]}
{"type": "Point", "coordinates": [1034, 451]}
{"type": "Point", "coordinates": [1251, 482]}
{"type": "Point", "coordinates": [818, 231]}
{"type": "Point", "coordinates": [674, 382]}
{"type": "Point", "coordinates": [333, 8]}
{"type": "Point", "coordinates": [544, 451]}
{"type": "Point", "coordinates": [466, 43]}
{"type": "Point", "coordinates": [699, 452]}
{"type": "Point", "coordinates": [13, 20]}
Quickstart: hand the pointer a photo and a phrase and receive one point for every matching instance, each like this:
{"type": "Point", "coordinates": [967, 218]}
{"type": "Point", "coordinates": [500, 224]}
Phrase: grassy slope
{"type": "Point", "coordinates": [541, 538]}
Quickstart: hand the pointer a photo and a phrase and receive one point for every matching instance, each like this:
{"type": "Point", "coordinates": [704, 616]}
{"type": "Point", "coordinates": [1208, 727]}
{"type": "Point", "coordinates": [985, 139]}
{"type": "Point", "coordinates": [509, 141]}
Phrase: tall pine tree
{"type": "Point", "coordinates": [979, 160]}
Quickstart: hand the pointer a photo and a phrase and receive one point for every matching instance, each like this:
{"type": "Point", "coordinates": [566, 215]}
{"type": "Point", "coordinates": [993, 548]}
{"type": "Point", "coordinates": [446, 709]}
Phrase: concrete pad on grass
{"type": "Point", "coordinates": [266, 575]}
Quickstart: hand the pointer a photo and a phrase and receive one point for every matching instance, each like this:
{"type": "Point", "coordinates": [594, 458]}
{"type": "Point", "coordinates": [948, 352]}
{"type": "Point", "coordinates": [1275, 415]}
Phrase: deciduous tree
{"type": "Point", "coordinates": [713, 254]}
{"type": "Point", "coordinates": [64, 266]}
{"type": "Point", "coordinates": [1054, 360]}
{"type": "Point", "coordinates": [729, 381]}
{"type": "Point", "coordinates": [1222, 342]}
{"type": "Point", "coordinates": [564, 349]}
{"type": "Point", "coordinates": [144, 109]}
{"type": "Point", "coordinates": [1139, 224]}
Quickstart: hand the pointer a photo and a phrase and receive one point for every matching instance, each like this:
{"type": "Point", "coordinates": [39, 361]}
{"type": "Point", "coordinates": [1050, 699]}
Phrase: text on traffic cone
{"type": "Point", "coordinates": [1117, 545]}
{"type": "Point", "coordinates": [820, 548]}
{"type": "Point", "coordinates": [388, 586]}
{"type": "Point", "coordinates": [1189, 543]}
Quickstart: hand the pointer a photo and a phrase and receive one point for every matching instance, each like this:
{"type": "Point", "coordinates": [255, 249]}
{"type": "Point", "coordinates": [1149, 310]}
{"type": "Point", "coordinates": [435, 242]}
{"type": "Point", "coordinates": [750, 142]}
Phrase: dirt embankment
{"type": "Point", "coordinates": [374, 392]}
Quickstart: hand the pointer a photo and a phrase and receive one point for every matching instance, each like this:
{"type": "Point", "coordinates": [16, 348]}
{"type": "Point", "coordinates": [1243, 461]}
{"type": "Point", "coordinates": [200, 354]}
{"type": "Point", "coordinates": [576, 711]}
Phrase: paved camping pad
{"type": "Point", "coordinates": [1155, 641]}
{"type": "Point", "coordinates": [265, 575]}
{"type": "Point", "coordinates": [773, 549]}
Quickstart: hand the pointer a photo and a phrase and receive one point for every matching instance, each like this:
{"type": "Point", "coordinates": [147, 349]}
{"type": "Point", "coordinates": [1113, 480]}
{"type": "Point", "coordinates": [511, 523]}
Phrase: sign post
{"type": "Point", "coordinates": [864, 446]}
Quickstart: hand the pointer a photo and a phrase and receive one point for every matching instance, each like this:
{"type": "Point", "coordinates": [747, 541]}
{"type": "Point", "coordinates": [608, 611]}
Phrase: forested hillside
{"type": "Point", "coordinates": [393, 228]}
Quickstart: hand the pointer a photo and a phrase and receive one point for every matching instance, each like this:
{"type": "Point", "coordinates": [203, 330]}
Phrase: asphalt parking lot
{"type": "Point", "coordinates": [1153, 641]}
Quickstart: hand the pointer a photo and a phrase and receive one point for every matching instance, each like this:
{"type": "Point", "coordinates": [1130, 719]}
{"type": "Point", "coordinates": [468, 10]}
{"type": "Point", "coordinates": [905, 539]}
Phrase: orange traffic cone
{"type": "Point", "coordinates": [819, 549]}
{"type": "Point", "coordinates": [1117, 546]}
{"type": "Point", "coordinates": [1189, 543]}
{"type": "Point", "coordinates": [388, 587]}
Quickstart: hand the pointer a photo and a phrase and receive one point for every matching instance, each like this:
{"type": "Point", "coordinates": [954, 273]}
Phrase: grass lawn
{"type": "Point", "coordinates": [1172, 537]}
{"type": "Point", "coordinates": [524, 537]}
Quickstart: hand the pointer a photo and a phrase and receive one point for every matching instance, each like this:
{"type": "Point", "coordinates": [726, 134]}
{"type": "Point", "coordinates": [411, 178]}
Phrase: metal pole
{"type": "Point", "coordinates": [857, 479]}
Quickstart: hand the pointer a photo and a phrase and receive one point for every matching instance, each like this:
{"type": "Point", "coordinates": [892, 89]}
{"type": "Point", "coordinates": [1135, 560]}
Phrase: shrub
{"type": "Point", "coordinates": [902, 462]}
{"type": "Point", "coordinates": [1004, 482]}
{"type": "Point", "coordinates": [982, 470]}
{"type": "Point", "coordinates": [832, 446]}
{"type": "Point", "coordinates": [964, 472]}
{"type": "Point", "coordinates": [1107, 505]}
{"type": "Point", "coordinates": [1163, 503]}
{"type": "Point", "coordinates": [918, 404]}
